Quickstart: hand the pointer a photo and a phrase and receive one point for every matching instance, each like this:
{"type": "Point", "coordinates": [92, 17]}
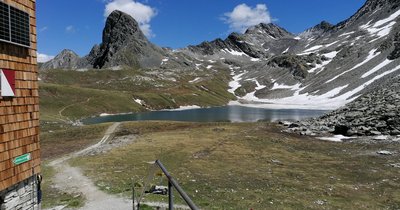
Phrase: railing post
{"type": "Point", "coordinates": [170, 196]}
{"type": "Point", "coordinates": [133, 195]}
{"type": "Point", "coordinates": [178, 188]}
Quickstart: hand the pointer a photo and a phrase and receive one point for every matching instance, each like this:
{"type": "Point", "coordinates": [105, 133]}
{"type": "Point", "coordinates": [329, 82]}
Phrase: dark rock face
{"type": "Point", "coordinates": [317, 30]}
{"type": "Point", "coordinates": [396, 51]}
{"type": "Point", "coordinates": [297, 65]}
{"type": "Point", "coordinates": [67, 59]}
{"type": "Point", "coordinates": [123, 44]}
{"type": "Point", "coordinates": [119, 29]}
{"type": "Point", "coordinates": [269, 29]}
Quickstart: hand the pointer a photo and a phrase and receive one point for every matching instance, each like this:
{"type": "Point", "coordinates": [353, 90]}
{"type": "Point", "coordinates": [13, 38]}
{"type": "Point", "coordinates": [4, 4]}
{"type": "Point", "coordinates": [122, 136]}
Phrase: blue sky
{"type": "Point", "coordinates": [78, 24]}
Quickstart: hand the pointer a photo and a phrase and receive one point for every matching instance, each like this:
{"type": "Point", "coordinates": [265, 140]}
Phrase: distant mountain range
{"type": "Point", "coordinates": [324, 67]}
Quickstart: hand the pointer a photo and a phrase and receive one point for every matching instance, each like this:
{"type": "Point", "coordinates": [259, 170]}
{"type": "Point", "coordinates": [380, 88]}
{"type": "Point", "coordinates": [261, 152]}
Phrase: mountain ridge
{"type": "Point", "coordinates": [325, 67]}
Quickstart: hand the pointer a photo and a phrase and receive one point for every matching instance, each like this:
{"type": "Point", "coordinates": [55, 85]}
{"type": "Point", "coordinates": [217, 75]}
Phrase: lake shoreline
{"type": "Point", "coordinates": [228, 113]}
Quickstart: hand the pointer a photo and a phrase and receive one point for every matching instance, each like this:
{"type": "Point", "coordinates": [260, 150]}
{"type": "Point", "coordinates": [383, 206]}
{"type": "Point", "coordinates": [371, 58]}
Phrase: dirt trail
{"type": "Point", "coordinates": [71, 179]}
{"type": "Point", "coordinates": [66, 107]}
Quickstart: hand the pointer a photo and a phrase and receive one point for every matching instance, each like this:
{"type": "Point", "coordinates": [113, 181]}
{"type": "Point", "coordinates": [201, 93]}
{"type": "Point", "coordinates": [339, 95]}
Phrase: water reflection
{"type": "Point", "coordinates": [215, 114]}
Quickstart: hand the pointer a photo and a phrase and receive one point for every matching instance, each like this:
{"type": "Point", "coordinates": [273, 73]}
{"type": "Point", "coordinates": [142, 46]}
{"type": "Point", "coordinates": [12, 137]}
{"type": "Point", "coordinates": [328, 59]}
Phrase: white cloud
{"type": "Point", "coordinates": [42, 58]}
{"type": "Point", "coordinates": [142, 13]}
{"type": "Point", "coordinates": [70, 29]}
{"type": "Point", "coordinates": [43, 29]}
{"type": "Point", "coordinates": [243, 16]}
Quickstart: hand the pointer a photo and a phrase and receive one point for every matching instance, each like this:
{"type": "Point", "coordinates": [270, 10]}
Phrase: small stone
{"type": "Point", "coordinates": [276, 162]}
{"type": "Point", "coordinates": [320, 202]}
{"type": "Point", "coordinates": [376, 133]}
{"type": "Point", "coordinates": [384, 152]}
{"type": "Point", "coordinates": [395, 165]}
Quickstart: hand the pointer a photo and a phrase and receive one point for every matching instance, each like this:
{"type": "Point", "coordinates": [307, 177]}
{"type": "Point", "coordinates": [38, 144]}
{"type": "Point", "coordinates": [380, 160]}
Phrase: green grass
{"type": "Point", "coordinates": [67, 139]}
{"type": "Point", "coordinates": [243, 166]}
{"type": "Point", "coordinates": [82, 102]}
{"type": "Point", "coordinates": [53, 197]}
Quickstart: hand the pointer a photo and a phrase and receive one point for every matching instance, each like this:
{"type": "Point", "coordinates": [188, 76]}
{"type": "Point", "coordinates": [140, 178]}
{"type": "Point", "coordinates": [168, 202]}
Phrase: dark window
{"type": "Point", "coordinates": [4, 22]}
{"type": "Point", "coordinates": [14, 25]}
{"type": "Point", "coordinates": [19, 26]}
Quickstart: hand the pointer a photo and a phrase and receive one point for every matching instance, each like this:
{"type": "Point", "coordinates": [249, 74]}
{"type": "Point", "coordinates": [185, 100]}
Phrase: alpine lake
{"type": "Point", "coordinates": [214, 114]}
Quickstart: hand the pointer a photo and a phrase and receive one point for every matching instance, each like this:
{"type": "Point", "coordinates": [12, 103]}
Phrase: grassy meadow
{"type": "Point", "coordinates": [250, 165]}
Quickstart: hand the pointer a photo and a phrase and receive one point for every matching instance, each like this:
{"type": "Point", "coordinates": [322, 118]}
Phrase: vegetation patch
{"type": "Point", "coordinates": [250, 165]}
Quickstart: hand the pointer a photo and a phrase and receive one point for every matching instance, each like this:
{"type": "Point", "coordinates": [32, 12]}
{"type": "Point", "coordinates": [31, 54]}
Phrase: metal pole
{"type": "Point", "coordinates": [133, 195]}
{"type": "Point", "coordinates": [177, 187]}
{"type": "Point", "coordinates": [171, 196]}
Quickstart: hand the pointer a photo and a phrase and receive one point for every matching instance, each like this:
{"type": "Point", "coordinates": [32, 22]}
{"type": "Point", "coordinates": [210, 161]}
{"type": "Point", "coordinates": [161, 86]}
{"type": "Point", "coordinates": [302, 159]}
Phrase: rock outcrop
{"type": "Point", "coordinates": [124, 43]}
{"type": "Point", "coordinates": [375, 113]}
{"type": "Point", "coordinates": [67, 59]}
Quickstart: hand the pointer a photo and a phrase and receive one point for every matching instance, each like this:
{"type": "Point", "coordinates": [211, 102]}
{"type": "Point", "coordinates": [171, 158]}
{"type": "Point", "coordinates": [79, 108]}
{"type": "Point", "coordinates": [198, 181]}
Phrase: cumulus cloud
{"type": "Point", "coordinates": [141, 12]}
{"type": "Point", "coordinates": [42, 58]}
{"type": "Point", "coordinates": [243, 16]}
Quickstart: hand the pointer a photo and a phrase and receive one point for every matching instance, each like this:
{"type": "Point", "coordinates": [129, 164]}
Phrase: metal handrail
{"type": "Point", "coordinates": [173, 183]}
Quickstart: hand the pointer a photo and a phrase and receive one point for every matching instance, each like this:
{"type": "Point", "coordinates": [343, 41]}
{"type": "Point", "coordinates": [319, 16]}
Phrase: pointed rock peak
{"type": "Point", "coordinates": [324, 26]}
{"type": "Point", "coordinates": [317, 30]}
{"type": "Point", "coordinates": [121, 26]}
{"type": "Point", "coordinates": [271, 29]}
{"type": "Point", "coordinates": [67, 52]}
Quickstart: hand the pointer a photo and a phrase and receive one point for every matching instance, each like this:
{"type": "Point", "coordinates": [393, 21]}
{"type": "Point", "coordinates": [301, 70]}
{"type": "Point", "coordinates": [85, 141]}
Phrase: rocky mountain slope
{"type": "Point", "coordinates": [374, 113]}
{"type": "Point", "coordinates": [324, 67]}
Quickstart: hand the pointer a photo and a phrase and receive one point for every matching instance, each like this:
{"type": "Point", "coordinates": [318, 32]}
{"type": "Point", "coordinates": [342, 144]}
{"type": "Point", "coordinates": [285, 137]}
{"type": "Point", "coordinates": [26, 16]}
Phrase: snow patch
{"type": "Point", "coordinates": [312, 49]}
{"type": "Point", "coordinates": [321, 66]}
{"type": "Point", "coordinates": [283, 86]}
{"type": "Point", "coordinates": [371, 55]}
{"type": "Point", "coordinates": [141, 102]}
{"type": "Point", "coordinates": [328, 45]}
{"type": "Point", "coordinates": [285, 51]}
{"type": "Point", "coordinates": [376, 68]}
{"type": "Point", "coordinates": [388, 19]}
{"type": "Point", "coordinates": [105, 114]}
{"type": "Point", "coordinates": [348, 33]}
{"type": "Point", "coordinates": [195, 80]}
{"type": "Point", "coordinates": [235, 83]}
{"type": "Point", "coordinates": [182, 108]}
{"type": "Point", "coordinates": [377, 29]}
{"type": "Point", "coordinates": [336, 138]}
{"type": "Point", "coordinates": [164, 61]}
{"type": "Point", "coordinates": [236, 53]}
{"type": "Point", "coordinates": [307, 101]}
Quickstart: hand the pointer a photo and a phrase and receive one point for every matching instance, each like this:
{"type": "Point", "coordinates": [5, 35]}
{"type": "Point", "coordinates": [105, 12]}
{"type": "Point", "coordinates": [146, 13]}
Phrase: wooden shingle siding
{"type": "Point", "coordinates": [19, 115]}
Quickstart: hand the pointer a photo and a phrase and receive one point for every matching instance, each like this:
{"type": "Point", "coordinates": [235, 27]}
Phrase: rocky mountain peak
{"type": "Point", "coordinates": [270, 29]}
{"type": "Point", "coordinates": [317, 30]}
{"type": "Point", "coordinates": [120, 30]}
{"type": "Point", "coordinates": [67, 59]}
{"type": "Point", "coordinates": [68, 53]}
{"type": "Point", "coordinates": [121, 27]}
{"type": "Point", "coordinates": [324, 26]}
